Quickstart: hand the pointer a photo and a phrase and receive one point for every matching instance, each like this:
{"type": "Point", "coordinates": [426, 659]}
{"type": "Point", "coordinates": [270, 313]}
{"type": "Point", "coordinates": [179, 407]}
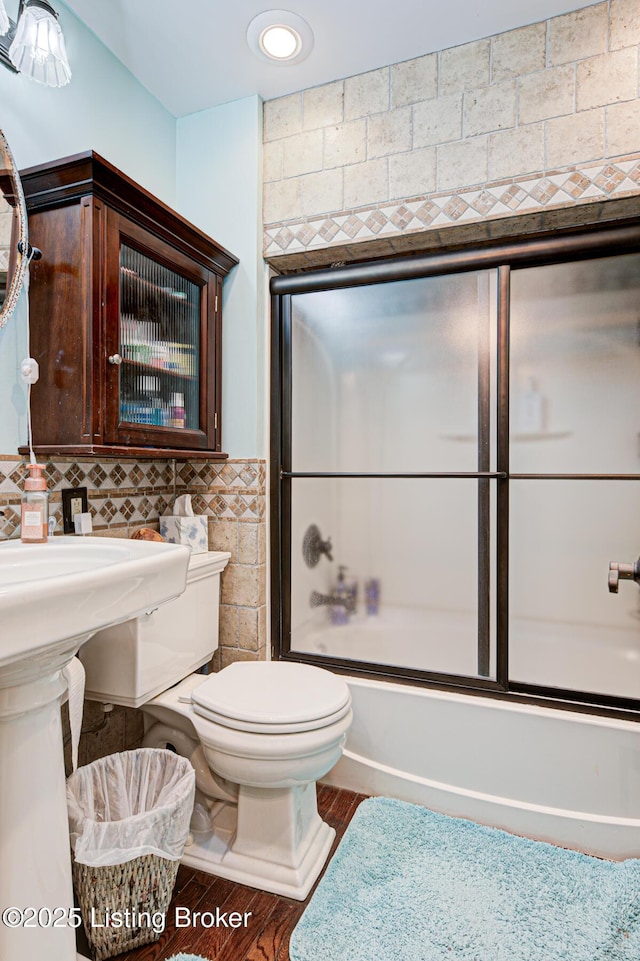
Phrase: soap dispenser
{"type": "Point", "coordinates": [35, 507]}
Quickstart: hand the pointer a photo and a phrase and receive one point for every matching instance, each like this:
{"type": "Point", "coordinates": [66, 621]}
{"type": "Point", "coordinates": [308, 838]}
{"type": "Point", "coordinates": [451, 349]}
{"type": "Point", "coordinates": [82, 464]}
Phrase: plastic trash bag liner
{"type": "Point", "coordinates": [128, 805]}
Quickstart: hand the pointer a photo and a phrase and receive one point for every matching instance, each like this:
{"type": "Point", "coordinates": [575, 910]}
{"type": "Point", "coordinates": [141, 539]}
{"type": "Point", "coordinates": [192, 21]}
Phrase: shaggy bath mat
{"type": "Point", "coordinates": [410, 884]}
{"type": "Point", "coordinates": [187, 957]}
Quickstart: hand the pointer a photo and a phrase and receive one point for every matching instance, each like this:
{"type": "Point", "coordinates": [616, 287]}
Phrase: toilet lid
{"type": "Point", "coordinates": [272, 697]}
{"type": "Point", "coordinates": [254, 727]}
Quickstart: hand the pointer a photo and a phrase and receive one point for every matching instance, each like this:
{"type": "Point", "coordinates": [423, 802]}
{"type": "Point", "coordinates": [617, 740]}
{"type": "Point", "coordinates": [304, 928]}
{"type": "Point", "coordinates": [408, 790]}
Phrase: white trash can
{"type": "Point", "coordinates": [129, 819]}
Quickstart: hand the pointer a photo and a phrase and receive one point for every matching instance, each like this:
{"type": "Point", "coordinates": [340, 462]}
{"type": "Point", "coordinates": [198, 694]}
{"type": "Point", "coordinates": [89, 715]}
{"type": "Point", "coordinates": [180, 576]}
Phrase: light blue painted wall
{"type": "Point", "coordinates": [103, 108]}
{"type": "Point", "coordinates": [219, 177]}
{"type": "Point", "coordinates": [207, 165]}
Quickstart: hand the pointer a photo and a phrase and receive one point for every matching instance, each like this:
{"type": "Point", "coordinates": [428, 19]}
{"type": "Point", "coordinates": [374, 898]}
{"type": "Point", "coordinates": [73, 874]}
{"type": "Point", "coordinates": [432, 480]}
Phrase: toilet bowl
{"type": "Point", "coordinates": [259, 735]}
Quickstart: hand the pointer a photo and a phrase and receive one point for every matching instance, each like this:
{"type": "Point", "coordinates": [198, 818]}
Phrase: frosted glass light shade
{"type": "Point", "coordinates": [4, 20]}
{"type": "Point", "coordinates": [38, 49]}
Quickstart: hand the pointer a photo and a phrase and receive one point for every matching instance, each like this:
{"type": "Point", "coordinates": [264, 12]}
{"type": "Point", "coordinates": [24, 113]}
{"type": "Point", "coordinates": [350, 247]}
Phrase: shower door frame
{"type": "Point", "coordinates": [552, 248]}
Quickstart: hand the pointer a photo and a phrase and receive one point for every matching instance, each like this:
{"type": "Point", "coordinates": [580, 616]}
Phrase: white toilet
{"type": "Point", "coordinates": [259, 734]}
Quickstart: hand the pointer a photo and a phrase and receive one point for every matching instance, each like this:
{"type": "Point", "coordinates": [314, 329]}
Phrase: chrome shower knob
{"type": "Point", "coordinates": [625, 572]}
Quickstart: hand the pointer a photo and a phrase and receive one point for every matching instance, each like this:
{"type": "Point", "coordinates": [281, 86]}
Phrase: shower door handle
{"type": "Point", "coordinates": [625, 572]}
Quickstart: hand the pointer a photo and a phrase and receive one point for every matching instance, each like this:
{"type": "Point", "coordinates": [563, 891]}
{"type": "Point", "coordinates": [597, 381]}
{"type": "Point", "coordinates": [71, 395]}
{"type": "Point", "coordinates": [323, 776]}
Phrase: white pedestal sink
{"type": "Point", "coordinates": [53, 597]}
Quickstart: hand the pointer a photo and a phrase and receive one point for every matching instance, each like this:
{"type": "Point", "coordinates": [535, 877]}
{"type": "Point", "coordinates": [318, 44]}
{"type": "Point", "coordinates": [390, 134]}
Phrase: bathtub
{"type": "Point", "coordinates": [561, 776]}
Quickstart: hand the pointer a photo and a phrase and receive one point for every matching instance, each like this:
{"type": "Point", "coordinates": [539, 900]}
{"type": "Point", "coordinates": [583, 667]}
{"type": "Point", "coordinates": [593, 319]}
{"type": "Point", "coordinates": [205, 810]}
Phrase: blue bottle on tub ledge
{"type": "Point", "coordinates": [372, 596]}
{"type": "Point", "coordinates": [340, 612]}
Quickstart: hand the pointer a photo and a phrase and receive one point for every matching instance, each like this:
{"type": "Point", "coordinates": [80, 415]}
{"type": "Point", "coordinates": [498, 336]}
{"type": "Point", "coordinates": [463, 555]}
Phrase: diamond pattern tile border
{"type": "Point", "coordinates": [592, 182]}
{"type": "Point", "coordinates": [137, 492]}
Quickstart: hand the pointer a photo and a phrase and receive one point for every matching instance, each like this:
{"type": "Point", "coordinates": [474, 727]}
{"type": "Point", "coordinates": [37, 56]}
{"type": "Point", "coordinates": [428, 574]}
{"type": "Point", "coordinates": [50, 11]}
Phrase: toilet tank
{"type": "Point", "coordinates": [131, 662]}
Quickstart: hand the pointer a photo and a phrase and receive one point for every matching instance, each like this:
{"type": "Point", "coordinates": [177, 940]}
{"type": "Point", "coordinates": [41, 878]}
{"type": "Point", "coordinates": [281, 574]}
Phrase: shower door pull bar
{"type": "Point", "coordinates": [576, 477]}
{"type": "Point", "coordinates": [501, 475]}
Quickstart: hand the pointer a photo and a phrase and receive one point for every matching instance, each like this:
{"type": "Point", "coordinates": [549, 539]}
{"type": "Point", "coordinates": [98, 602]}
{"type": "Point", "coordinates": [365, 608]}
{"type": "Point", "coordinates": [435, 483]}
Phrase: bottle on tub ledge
{"type": "Point", "coordinates": [346, 590]}
{"type": "Point", "coordinates": [372, 596]}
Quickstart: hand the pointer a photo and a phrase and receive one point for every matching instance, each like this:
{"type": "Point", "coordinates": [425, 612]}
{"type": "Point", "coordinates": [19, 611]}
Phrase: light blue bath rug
{"type": "Point", "coordinates": [410, 884]}
{"type": "Point", "coordinates": [186, 957]}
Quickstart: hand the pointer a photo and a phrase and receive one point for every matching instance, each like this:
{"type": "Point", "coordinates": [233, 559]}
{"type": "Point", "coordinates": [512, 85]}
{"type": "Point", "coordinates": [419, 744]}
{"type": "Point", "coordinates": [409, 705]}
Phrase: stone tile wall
{"type": "Point", "coordinates": [234, 497]}
{"type": "Point", "coordinates": [542, 117]}
{"type": "Point", "coordinates": [126, 495]}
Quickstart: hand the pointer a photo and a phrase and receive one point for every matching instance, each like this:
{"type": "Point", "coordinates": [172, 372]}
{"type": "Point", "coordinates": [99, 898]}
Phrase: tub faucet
{"type": "Point", "coordinates": [625, 572]}
{"type": "Point", "coordinates": [346, 600]}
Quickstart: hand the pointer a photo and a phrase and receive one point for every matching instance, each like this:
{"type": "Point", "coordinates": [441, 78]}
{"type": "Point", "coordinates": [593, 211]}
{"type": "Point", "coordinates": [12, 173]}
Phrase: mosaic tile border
{"type": "Point", "coordinates": [531, 194]}
{"type": "Point", "coordinates": [95, 475]}
{"type": "Point", "coordinates": [126, 494]}
{"type": "Point", "coordinates": [249, 475]}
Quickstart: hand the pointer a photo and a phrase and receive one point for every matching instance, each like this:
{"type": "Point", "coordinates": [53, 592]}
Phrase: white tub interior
{"type": "Point", "coordinates": [583, 657]}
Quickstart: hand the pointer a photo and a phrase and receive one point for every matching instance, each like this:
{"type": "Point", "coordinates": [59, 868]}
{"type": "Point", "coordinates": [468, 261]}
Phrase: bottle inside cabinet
{"type": "Point", "coordinates": [159, 336]}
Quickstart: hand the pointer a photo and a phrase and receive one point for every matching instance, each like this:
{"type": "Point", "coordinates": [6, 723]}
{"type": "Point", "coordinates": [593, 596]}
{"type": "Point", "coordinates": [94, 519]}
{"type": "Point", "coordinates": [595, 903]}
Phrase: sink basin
{"type": "Point", "coordinates": [70, 587]}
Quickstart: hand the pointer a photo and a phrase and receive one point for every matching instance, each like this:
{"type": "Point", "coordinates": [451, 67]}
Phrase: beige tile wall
{"type": "Point", "coordinates": [437, 141]}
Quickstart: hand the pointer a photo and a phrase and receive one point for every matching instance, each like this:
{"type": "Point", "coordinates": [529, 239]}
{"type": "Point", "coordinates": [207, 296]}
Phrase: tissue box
{"type": "Point", "coordinates": [191, 531]}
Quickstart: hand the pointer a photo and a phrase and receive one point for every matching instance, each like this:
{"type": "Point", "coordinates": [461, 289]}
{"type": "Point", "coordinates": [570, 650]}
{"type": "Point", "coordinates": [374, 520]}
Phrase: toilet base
{"type": "Point", "coordinates": [275, 864]}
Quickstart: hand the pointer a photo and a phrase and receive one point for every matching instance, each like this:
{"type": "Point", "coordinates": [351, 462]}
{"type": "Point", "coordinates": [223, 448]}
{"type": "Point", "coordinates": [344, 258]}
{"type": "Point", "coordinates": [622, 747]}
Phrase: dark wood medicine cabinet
{"type": "Point", "coordinates": [125, 318]}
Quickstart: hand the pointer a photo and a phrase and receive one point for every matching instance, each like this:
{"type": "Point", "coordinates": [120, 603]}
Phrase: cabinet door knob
{"type": "Point", "coordinates": [115, 359]}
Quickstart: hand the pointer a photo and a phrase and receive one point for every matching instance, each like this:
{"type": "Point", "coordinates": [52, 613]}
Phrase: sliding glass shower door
{"type": "Point", "coordinates": [389, 457]}
{"type": "Point", "coordinates": [456, 456]}
{"type": "Point", "coordinates": [575, 454]}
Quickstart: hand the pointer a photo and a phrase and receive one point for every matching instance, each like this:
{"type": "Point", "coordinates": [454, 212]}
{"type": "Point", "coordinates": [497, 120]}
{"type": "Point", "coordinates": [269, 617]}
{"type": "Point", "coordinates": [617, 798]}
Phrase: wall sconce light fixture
{"type": "Point", "coordinates": [34, 45]}
{"type": "Point", "coordinates": [4, 20]}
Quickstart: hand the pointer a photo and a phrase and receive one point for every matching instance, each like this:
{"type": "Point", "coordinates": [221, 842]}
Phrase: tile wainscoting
{"type": "Point", "coordinates": [126, 495]}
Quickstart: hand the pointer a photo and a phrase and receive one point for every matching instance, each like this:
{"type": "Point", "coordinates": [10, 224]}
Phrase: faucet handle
{"type": "Point", "coordinates": [313, 547]}
{"type": "Point", "coordinates": [326, 548]}
{"type": "Point", "coordinates": [625, 572]}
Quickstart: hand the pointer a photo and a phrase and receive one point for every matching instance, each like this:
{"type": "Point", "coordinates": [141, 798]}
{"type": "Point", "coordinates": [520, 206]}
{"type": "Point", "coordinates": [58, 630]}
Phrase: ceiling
{"type": "Point", "coordinates": [193, 54]}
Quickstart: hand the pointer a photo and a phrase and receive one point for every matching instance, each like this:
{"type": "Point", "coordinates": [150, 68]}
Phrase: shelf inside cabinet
{"type": "Point", "coordinates": [153, 369]}
{"type": "Point", "coordinates": [131, 279]}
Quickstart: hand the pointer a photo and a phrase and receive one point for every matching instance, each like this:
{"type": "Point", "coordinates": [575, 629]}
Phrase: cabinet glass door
{"type": "Point", "coordinates": [159, 344]}
{"type": "Point", "coordinates": [161, 336]}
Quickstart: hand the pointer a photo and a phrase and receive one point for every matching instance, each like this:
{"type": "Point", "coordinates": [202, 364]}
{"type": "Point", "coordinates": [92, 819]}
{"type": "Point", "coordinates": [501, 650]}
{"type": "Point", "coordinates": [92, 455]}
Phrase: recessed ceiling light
{"type": "Point", "coordinates": [280, 36]}
{"type": "Point", "coordinates": [280, 42]}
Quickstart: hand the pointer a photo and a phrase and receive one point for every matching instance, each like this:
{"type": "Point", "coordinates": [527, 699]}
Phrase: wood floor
{"type": "Point", "coordinates": [273, 918]}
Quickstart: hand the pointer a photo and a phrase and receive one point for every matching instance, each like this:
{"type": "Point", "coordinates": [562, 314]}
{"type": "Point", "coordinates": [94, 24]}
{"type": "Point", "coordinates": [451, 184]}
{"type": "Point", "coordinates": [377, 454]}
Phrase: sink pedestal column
{"type": "Point", "coordinates": [54, 597]}
{"type": "Point", "coordinates": [34, 829]}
